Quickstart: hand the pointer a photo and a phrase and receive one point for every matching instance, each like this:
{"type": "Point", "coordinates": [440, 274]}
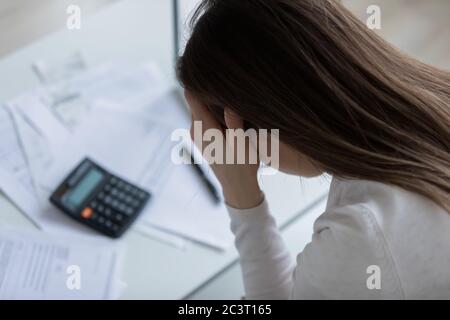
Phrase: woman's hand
{"type": "Point", "coordinates": [239, 181]}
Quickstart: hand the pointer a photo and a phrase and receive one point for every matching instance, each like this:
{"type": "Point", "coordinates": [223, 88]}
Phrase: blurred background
{"type": "Point", "coordinates": [419, 27]}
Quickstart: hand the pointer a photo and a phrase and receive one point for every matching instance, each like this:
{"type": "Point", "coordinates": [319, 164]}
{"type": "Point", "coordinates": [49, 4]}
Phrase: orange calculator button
{"type": "Point", "coordinates": [87, 213]}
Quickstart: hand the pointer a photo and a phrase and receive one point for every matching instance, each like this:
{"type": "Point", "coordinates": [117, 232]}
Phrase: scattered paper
{"type": "Point", "coordinates": [127, 128]}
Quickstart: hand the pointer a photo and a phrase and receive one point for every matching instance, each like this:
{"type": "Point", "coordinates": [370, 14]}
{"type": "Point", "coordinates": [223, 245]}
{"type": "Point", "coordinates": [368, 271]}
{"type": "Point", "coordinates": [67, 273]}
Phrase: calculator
{"type": "Point", "coordinates": [99, 199]}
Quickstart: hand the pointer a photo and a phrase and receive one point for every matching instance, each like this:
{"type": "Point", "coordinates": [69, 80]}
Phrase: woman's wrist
{"type": "Point", "coordinates": [244, 199]}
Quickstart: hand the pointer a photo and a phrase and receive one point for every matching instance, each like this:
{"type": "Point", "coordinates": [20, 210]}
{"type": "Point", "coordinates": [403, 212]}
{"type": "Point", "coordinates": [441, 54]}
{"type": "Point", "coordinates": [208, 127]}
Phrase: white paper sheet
{"type": "Point", "coordinates": [124, 143]}
{"type": "Point", "coordinates": [186, 208]}
{"type": "Point", "coordinates": [40, 134]}
{"type": "Point", "coordinates": [33, 109]}
{"type": "Point", "coordinates": [12, 156]}
{"type": "Point", "coordinates": [124, 84]}
{"type": "Point", "coordinates": [36, 266]}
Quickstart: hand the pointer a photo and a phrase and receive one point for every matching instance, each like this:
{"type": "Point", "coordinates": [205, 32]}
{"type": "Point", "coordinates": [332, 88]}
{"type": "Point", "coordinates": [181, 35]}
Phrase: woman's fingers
{"type": "Point", "coordinates": [201, 113]}
{"type": "Point", "coordinates": [202, 120]}
{"type": "Point", "coordinates": [232, 120]}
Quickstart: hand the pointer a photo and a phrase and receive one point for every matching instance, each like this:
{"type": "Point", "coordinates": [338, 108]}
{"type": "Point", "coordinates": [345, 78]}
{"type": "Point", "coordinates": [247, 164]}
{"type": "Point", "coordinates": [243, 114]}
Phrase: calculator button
{"type": "Point", "coordinates": [87, 213]}
{"type": "Point", "coordinates": [128, 199]}
{"type": "Point", "coordinates": [129, 211]}
{"type": "Point", "coordinates": [114, 192]}
{"type": "Point", "coordinates": [101, 196]}
{"type": "Point", "coordinates": [115, 227]}
{"type": "Point", "coordinates": [108, 200]}
{"type": "Point", "coordinates": [142, 195]}
{"type": "Point", "coordinates": [128, 188]}
{"type": "Point", "coordinates": [108, 224]}
{"type": "Point", "coordinates": [101, 209]}
{"type": "Point", "coordinates": [121, 184]}
{"type": "Point", "coordinates": [135, 203]}
{"type": "Point", "coordinates": [108, 212]}
{"type": "Point", "coordinates": [115, 204]}
{"type": "Point", "coordinates": [108, 188]}
{"type": "Point", "coordinates": [118, 217]}
{"type": "Point", "coordinates": [113, 181]}
{"type": "Point", "coordinates": [101, 220]}
{"type": "Point", "coordinates": [94, 204]}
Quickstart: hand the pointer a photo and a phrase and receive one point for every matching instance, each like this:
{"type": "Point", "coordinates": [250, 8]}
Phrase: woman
{"type": "Point", "coordinates": [348, 104]}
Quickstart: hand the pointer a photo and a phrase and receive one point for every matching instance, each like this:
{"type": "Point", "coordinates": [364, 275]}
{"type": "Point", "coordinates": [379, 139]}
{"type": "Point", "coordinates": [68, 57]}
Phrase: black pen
{"type": "Point", "coordinates": [212, 189]}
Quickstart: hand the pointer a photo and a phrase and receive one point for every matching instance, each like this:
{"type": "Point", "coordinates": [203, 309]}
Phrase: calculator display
{"type": "Point", "coordinates": [75, 197]}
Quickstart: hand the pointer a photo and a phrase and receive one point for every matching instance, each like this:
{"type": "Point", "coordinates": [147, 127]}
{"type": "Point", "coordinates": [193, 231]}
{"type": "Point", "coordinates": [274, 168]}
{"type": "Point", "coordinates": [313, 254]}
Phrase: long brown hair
{"type": "Point", "coordinates": [337, 92]}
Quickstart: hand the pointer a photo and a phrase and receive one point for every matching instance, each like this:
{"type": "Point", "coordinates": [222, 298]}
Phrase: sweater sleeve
{"type": "Point", "coordinates": [345, 246]}
{"type": "Point", "coordinates": [266, 264]}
